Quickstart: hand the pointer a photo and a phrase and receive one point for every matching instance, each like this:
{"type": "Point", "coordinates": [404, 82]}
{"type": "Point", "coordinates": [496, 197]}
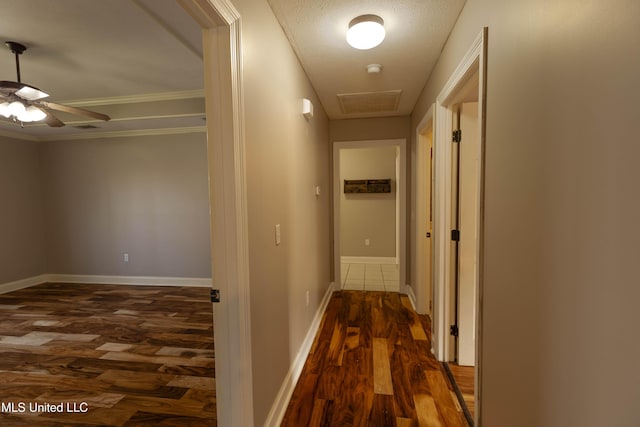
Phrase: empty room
{"type": "Point", "coordinates": [105, 247]}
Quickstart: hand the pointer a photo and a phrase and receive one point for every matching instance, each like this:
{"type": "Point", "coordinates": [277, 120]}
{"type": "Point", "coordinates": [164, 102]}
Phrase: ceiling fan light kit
{"type": "Point", "coordinates": [24, 114]}
{"type": "Point", "coordinates": [22, 101]}
{"type": "Point", "coordinates": [365, 32]}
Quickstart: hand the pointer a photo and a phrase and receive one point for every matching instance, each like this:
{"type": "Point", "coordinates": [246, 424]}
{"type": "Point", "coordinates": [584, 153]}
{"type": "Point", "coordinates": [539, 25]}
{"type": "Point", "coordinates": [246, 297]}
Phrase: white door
{"type": "Point", "coordinates": [424, 228]}
{"type": "Point", "coordinates": [468, 221]}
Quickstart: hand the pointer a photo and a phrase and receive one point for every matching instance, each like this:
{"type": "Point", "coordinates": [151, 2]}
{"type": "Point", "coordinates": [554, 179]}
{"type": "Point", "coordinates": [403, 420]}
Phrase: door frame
{"type": "Point", "coordinates": [401, 220]}
{"type": "Point", "coordinates": [222, 60]}
{"type": "Point", "coordinates": [474, 61]}
{"type": "Point", "coordinates": [423, 286]}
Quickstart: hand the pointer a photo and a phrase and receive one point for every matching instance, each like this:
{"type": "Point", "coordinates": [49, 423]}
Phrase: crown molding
{"type": "Point", "coordinates": [134, 99]}
{"type": "Point", "coordinates": [18, 135]}
{"type": "Point", "coordinates": [126, 133]}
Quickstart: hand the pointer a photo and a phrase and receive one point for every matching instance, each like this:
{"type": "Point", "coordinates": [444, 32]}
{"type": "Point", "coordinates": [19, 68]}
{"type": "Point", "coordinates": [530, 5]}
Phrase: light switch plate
{"type": "Point", "coordinates": [277, 234]}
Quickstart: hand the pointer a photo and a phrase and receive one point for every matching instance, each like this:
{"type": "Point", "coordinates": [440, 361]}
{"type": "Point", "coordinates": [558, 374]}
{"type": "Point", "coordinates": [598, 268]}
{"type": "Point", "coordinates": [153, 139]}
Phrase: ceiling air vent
{"type": "Point", "coordinates": [370, 102]}
{"type": "Point", "coordinates": [86, 127]}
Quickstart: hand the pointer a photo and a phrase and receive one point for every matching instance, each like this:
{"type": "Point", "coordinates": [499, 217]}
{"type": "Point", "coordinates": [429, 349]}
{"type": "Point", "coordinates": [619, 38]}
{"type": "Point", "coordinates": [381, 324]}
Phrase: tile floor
{"type": "Point", "coordinates": [370, 277]}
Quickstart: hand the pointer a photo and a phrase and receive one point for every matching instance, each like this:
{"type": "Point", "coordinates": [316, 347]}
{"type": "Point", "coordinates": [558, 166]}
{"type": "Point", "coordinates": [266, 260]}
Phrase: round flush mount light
{"type": "Point", "coordinates": [365, 32]}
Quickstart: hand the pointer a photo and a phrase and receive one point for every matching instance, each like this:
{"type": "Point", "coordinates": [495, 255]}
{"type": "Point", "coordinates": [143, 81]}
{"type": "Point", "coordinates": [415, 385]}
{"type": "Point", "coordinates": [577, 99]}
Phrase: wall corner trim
{"type": "Point", "coordinates": [280, 404]}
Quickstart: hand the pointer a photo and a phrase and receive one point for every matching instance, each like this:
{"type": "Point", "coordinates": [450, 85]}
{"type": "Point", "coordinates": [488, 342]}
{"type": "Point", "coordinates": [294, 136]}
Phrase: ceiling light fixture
{"type": "Point", "coordinates": [365, 32]}
{"type": "Point", "coordinates": [20, 112]}
{"type": "Point", "coordinates": [18, 103]}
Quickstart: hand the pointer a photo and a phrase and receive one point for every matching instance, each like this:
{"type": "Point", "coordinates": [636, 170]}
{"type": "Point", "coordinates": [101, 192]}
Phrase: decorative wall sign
{"type": "Point", "coordinates": [367, 186]}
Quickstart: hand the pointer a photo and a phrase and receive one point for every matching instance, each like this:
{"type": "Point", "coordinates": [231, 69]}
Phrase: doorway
{"type": "Point", "coordinates": [457, 215]}
{"type": "Point", "coordinates": [222, 58]}
{"type": "Point", "coordinates": [353, 247]}
{"type": "Point", "coordinates": [424, 233]}
{"type": "Point", "coordinates": [465, 211]}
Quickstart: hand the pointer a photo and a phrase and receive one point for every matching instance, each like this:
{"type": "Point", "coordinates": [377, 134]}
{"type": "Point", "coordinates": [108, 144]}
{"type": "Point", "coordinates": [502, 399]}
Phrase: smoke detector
{"type": "Point", "coordinates": [374, 68]}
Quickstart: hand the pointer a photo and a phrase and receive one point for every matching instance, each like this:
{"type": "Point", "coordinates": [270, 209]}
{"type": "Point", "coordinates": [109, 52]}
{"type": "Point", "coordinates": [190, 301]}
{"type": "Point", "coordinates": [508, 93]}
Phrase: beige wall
{"type": "Point", "coordinates": [561, 237]}
{"type": "Point", "coordinates": [287, 156]}
{"type": "Point", "coordinates": [21, 224]}
{"type": "Point", "coordinates": [372, 215]}
{"type": "Point", "coordinates": [146, 196]}
{"type": "Point", "coordinates": [370, 129]}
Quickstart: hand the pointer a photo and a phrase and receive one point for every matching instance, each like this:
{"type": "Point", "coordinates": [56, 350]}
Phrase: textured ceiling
{"type": "Point", "coordinates": [416, 32]}
{"type": "Point", "coordinates": [140, 61]}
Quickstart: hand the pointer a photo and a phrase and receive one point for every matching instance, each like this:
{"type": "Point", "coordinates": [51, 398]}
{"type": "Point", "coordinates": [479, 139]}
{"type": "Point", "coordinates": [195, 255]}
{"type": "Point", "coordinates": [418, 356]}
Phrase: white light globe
{"type": "Point", "coordinates": [4, 109]}
{"type": "Point", "coordinates": [366, 32]}
{"type": "Point", "coordinates": [16, 108]}
{"type": "Point", "coordinates": [35, 114]}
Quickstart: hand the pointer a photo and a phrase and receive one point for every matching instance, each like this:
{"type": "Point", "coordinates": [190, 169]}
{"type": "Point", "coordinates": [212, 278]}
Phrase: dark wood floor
{"type": "Point", "coordinates": [126, 355]}
{"type": "Point", "coordinates": [371, 365]}
{"type": "Point", "coordinates": [465, 379]}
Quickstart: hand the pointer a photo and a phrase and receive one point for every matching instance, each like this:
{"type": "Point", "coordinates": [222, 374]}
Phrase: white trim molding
{"type": "Point", "coordinates": [198, 282]}
{"type": "Point", "coordinates": [408, 290]}
{"type": "Point", "coordinates": [125, 133]}
{"type": "Point", "coordinates": [469, 65]}
{"type": "Point", "coordinates": [474, 61]}
{"type": "Point", "coordinates": [23, 283]}
{"type": "Point", "coordinates": [422, 186]}
{"type": "Point", "coordinates": [279, 407]}
{"type": "Point", "coordinates": [134, 99]}
{"type": "Point", "coordinates": [224, 100]}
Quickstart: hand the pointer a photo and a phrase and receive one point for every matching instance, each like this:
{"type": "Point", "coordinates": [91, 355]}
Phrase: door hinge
{"type": "Point", "coordinates": [453, 330]}
{"type": "Point", "coordinates": [455, 235]}
{"type": "Point", "coordinates": [215, 295]}
{"type": "Point", "coordinates": [457, 136]}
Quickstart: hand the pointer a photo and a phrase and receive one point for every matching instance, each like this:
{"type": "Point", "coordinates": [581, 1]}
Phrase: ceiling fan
{"type": "Point", "coordinates": [23, 103]}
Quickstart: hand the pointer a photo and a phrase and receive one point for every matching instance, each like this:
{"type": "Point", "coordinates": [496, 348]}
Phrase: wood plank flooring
{"type": "Point", "coordinates": [465, 379]}
{"type": "Point", "coordinates": [371, 365]}
{"type": "Point", "coordinates": [88, 355]}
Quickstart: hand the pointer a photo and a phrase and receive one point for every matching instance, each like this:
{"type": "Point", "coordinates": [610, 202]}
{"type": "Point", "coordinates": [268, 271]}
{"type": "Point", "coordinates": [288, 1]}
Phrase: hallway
{"type": "Point", "coordinates": [371, 365]}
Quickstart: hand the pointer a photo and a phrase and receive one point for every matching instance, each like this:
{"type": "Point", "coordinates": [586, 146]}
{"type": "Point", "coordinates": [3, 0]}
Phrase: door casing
{"type": "Point", "coordinates": [473, 63]}
{"type": "Point", "coordinates": [422, 260]}
{"type": "Point", "coordinates": [402, 203]}
{"type": "Point", "coordinates": [222, 60]}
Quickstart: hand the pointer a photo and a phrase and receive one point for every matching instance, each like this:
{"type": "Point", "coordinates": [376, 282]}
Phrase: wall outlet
{"type": "Point", "coordinates": [367, 242]}
{"type": "Point", "coordinates": [125, 257]}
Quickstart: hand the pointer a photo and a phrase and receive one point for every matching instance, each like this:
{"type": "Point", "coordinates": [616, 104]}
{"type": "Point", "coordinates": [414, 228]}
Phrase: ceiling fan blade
{"type": "Point", "coordinates": [74, 110]}
{"type": "Point", "coordinates": [24, 91]}
{"type": "Point", "coordinates": [52, 120]}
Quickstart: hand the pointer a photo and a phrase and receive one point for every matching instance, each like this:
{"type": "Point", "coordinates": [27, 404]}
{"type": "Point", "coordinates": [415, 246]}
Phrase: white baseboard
{"type": "Point", "coordinates": [408, 290]}
{"type": "Point", "coordinates": [22, 283]}
{"type": "Point", "coordinates": [279, 407]}
{"type": "Point", "coordinates": [368, 260]}
{"type": "Point", "coordinates": [130, 280]}
{"type": "Point", "coordinates": [105, 280]}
